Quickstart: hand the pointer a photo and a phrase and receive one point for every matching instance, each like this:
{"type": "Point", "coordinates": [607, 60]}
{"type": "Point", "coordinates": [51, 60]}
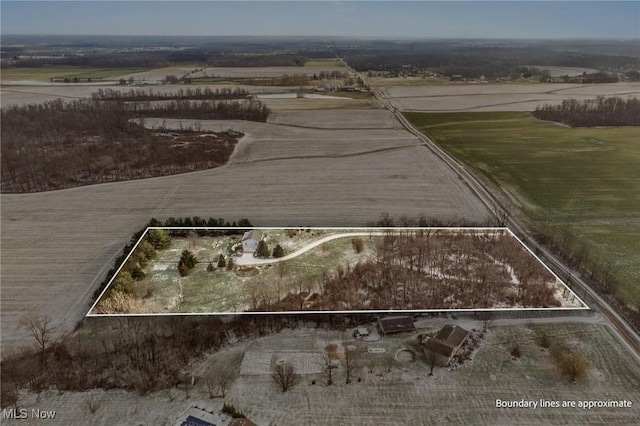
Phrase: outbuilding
{"type": "Point", "coordinates": [398, 324]}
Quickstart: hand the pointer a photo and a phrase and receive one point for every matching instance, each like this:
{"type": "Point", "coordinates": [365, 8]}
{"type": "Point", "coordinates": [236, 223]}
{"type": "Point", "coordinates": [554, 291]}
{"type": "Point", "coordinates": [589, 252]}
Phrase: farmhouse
{"type": "Point", "coordinates": [395, 325]}
{"type": "Point", "coordinates": [250, 240]}
{"type": "Point", "coordinates": [445, 344]}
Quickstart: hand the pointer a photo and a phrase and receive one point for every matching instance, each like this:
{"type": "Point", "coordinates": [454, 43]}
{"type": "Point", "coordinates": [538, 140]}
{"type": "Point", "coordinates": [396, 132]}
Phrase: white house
{"type": "Point", "coordinates": [250, 240]}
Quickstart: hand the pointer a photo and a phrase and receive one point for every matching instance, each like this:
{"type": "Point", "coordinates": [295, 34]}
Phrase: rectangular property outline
{"type": "Point", "coordinates": [584, 306]}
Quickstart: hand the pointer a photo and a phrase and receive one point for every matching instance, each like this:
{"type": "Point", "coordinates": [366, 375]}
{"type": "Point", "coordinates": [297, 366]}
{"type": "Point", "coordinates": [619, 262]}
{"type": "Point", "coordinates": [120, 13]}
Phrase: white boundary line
{"type": "Point", "coordinates": [548, 269]}
{"type": "Point", "coordinates": [311, 312]}
{"type": "Point", "coordinates": [116, 274]}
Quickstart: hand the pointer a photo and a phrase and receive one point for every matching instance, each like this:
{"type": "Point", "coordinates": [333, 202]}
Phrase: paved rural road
{"type": "Point", "coordinates": [619, 325]}
{"type": "Point", "coordinates": [248, 259]}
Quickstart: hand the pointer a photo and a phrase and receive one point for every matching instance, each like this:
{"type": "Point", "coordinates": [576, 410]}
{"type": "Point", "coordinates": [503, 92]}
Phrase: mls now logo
{"type": "Point", "coordinates": [23, 413]}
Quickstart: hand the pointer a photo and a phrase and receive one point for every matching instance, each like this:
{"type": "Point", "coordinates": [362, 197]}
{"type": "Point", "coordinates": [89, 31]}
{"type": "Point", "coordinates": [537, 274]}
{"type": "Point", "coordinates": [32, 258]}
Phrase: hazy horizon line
{"type": "Point", "coordinates": [374, 37]}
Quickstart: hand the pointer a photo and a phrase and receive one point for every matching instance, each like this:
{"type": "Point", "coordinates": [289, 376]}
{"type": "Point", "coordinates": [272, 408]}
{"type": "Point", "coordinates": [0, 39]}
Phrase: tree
{"type": "Point", "coordinates": [123, 283]}
{"type": "Point", "coordinates": [285, 376]}
{"type": "Point", "coordinates": [218, 380]}
{"type": "Point", "coordinates": [182, 269]}
{"type": "Point", "coordinates": [230, 264]}
{"type": "Point", "coordinates": [44, 332]}
{"type": "Point", "coordinates": [351, 363]}
{"type": "Point", "coordinates": [159, 239]}
{"type": "Point", "coordinates": [278, 251]}
{"type": "Point", "coordinates": [357, 244]}
{"type": "Point", "coordinates": [187, 262]}
{"type": "Point", "coordinates": [574, 365]}
{"type": "Point", "coordinates": [327, 364]}
{"type": "Point", "coordinates": [210, 267]}
{"type": "Point", "coordinates": [263, 249]}
{"type": "Point", "coordinates": [221, 261]}
{"type": "Point", "coordinates": [432, 359]}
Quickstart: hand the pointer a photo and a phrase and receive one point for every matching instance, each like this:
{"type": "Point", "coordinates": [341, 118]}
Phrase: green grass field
{"type": "Point", "coordinates": [47, 73]}
{"type": "Point", "coordinates": [585, 182]}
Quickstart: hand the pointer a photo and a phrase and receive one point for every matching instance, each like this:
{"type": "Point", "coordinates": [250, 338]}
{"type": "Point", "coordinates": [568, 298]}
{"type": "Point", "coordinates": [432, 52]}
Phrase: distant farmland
{"type": "Point", "coordinates": [581, 185]}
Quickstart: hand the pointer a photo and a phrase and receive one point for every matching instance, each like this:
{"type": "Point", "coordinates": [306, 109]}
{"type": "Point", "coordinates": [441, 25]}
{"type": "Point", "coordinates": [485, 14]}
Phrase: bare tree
{"type": "Point", "coordinates": [350, 362]}
{"type": "Point", "coordinates": [327, 364]}
{"type": "Point", "coordinates": [170, 396]}
{"type": "Point", "coordinates": [285, 376]}
{"type": "Point", "coordinates": [432, 359]}
{"type": "Point", "coordinates": [92, 403]}
{"type": "Point", "coordinates": [574, 365]}
{"type": "Point", "coordinates": [45, 334]}
{"type": "Point", "coordinates": [218, 380]}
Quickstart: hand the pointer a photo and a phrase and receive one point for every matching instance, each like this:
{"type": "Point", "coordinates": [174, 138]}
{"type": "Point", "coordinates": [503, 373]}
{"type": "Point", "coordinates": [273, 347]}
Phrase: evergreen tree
{"type": "Point", "coordinates": [159, 239]}
{"type": "Point", "coordinates": [187, 262]}
{"type": "Point", "coordinates": [278, 251]}
{"type": "Point", "coordinates": [263, 249]}
{"type": "Point", "coordinates": [123, 283]}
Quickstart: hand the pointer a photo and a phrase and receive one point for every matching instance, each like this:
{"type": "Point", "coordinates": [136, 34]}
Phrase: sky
{"type": "Point", "coordinates": [388, 19]}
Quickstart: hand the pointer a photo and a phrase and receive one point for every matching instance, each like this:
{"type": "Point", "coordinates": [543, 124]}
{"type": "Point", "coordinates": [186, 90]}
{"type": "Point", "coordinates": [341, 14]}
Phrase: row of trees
{"type": "Point", "coordinates": [143, 353]}
{"type": "Point", "coordinates": [263, 250]}
{"type": "Point", "coordinates": [602, 111]}
{"type": "Point", "coordinates": [137, 95]}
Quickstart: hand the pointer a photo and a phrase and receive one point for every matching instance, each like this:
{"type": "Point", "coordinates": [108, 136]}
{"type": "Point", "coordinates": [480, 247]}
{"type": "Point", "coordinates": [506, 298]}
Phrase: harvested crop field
{"type": "Point", "coordinates": [332, 119]}
{"type": "Point", "coordinates": [57, 246]}
{"type": "Point", "coordinates": [498, 97]}
{"type": "Point", "coordinates": [296, 104]}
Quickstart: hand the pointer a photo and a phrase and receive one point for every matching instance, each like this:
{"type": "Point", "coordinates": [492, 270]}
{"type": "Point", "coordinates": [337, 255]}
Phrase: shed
{"type": "Point", "coordinates": [397, 324]}
{"type": "Point", "coordinates": [362, 332]}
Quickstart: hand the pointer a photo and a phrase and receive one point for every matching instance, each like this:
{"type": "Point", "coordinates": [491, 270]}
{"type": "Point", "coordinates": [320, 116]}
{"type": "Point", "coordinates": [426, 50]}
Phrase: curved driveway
{"type": "Point", "coordinates": [248, 259]}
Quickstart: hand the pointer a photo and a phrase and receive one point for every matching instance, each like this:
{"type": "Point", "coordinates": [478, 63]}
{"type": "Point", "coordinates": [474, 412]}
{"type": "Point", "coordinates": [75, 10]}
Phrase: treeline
{"type": "Point", "coordinates": [138, 95]}
{"type": "Point", "coordinates": [141, 354]}
{"type": "Point", "coordinates": [252, 110]}
{"type": "Point", "coordinates": [57, 145]}
{"type": "Point", "coordinates": [159, 58]}
{"type": "Point", "coordinates": [611, 111]}
{"type": "Point", "coordinates": [259, 60]}
{"type": "Point", "coordinates": [158, 240]}
{"type": "Point", "coordinates": [472, 62]}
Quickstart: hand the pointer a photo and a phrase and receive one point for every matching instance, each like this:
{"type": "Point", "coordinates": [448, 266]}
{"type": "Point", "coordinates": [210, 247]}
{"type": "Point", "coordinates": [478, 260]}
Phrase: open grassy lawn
{"type": "Point", "coordinates": [47, 73]}
{"type": "Point", "coordinates": [579, 181]}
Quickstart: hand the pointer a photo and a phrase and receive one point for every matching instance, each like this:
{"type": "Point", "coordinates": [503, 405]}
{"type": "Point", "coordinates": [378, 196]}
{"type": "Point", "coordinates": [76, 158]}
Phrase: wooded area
{"type": "Point", "coordinates": [61, 144]}
{"type": "Point", "coordinates": [612, 111]}
{"type": "Point", "coordinates": [432, 269]}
